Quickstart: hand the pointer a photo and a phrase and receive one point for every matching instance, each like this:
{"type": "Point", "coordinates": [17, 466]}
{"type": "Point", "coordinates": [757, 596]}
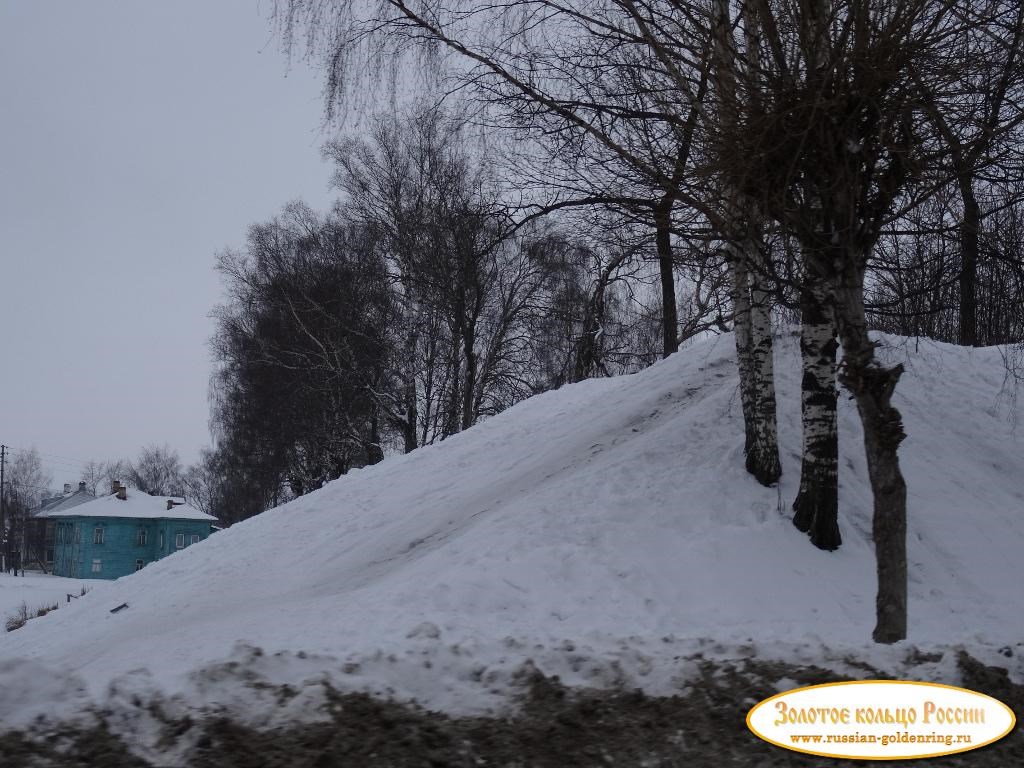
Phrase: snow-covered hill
{"type": "Point", "coordinates": [605, 531]}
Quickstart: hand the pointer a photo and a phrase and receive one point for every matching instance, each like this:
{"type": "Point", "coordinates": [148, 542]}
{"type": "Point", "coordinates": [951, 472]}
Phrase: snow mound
{"type": "Point", "coordinates": [605, 532]}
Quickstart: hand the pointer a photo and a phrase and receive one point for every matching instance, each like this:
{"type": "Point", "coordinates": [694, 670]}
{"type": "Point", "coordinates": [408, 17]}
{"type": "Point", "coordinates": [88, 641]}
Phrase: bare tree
{"type": "Point", "coordinates": [467, 285]}
{"type": "Point", "coordinates": [157, 471]}
{"type": "Point", "coordinates": [742, 230]}
{"type": "Point", "coordinates": [304, 342]}
{"type": "Point", "coordinates": [27, 484]}
{"type": "Point", "coordinates": [94, 474]}
{"type": "Point", "coordinates": [203, 483]}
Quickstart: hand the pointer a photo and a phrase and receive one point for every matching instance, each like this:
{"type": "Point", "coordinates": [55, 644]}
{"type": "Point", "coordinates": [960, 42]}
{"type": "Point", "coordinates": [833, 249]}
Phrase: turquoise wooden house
{"type": "Point", "coordinates": [122, 532]}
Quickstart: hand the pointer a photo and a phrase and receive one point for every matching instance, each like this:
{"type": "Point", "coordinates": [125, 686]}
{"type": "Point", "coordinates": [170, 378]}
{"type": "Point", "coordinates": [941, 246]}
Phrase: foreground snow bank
{"type": "Point", "coordinates": [605, 532]}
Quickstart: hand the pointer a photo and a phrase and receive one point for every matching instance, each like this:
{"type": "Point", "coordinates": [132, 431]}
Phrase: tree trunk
{"type": "Point", "coordinates": [969, 229]}
{"type": "Point", "coordinates": [453, 410]}
{"type": "Point", "coordinates": [763, 456]}
{"type": "Point", "coordinates": [411, 411]}
{"type": "Point", "coordinates": [750, 299]}
{"type": "Point", "coordinates": [374, 452]}
{"type": "Point", "coordinates": [670, 315]}
{"type": "Point", "coordinates": [740, 295]}
{"type": "Point", "coordinates": [588, 352]}
{"type": "Point", "coordinates": [816, 506]}
{"type": "Point", "coordinates": [470, 388]}
{"type": "Point", "coordinates": [872, 386]}
{"type": "Point", "coordinates": [754, 360]}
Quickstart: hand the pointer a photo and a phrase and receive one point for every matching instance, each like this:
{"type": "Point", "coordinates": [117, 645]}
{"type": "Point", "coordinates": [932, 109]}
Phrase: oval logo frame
{"type": "Point", "coordinates": [881, 720]}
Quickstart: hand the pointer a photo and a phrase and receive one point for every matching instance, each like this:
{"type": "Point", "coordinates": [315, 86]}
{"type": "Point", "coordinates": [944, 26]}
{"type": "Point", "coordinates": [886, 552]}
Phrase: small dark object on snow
{"type": "Point", "coordinates": [121, 607]}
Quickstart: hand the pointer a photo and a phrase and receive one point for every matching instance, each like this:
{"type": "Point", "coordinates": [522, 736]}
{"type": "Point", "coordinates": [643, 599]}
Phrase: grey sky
{"type": "Point", "coordinates": [137, 140]}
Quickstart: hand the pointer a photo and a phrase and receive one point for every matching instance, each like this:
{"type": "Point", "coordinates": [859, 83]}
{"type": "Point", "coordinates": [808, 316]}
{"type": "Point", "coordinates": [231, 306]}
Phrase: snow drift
{"type": "Point", "coordinates": [606, 531]}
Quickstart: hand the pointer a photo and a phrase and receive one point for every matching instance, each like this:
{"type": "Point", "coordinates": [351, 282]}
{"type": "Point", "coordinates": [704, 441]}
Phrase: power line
{"type": "Point", "coordinates": [11, 483]}
{"type": "Point", "coordinates": [52, 456]}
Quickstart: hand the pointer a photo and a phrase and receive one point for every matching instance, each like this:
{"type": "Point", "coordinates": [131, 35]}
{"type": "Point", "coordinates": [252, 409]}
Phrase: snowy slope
{"type": "Point", "coordinates": [605, 531]}
{"type": "Point", "coordinates": [38, 591]}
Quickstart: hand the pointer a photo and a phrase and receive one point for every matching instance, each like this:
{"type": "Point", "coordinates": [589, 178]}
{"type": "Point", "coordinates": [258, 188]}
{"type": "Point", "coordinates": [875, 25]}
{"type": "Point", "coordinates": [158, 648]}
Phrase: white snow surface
{"type": "Point", "coordinates": [38, 590]}
{"type": "Point", "coordinates": [605, 532]}
{"type": "Point", "coordinates": [136, 505]}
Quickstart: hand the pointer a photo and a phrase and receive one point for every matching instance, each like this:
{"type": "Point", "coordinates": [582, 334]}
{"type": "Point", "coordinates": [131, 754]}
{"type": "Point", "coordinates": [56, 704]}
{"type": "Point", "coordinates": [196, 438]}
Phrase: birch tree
{"type": "Point", "coordinates": [742, 228]}
{"type": "Point", "coordinates": [833, 151]}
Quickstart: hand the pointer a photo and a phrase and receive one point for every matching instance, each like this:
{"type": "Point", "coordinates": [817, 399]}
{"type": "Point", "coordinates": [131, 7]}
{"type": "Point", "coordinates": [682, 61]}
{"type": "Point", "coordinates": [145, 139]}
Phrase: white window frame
{"type": "Point", "coordinates": [98, 534]}
{"type": "Point", "coordinates": [97, 565]}
{"type": "Point", "coordinates": [179, 541]}
{"type": "Point", "coordinates": [142, 537]}
{"type": "Point", "coordinates": [160, 540]}
{"type": "Point", "coordinates": [139, 564]}
{"type": "Point", "coordinates": [195, 538]}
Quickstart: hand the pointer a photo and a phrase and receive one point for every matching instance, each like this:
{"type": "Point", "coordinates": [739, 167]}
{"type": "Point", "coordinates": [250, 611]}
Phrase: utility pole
{"type": "Point", "coordinates": [3, 521]}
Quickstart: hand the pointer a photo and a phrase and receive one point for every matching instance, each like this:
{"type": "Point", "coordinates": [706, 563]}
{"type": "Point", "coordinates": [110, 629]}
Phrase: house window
{"type": "Point", "coordinates": [179, 541]}
{"type": "Point", "coordinates": [160, 540]}
{"type": "Point", "coordinates": [97, 565]}
{"type": "Point", "coordinates": [195, 538]}
{"type": "Point", "coordinates": [78, 535]}
{"type": "Point", "coordinates": [97, 536]}
{"type": "Point", "coordinates": [138, 565]}
{"type": "Point", "coordinates": [142, 539]}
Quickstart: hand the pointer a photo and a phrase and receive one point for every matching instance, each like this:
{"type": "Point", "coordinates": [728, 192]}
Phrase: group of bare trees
{"type": "Point", "coordinates": [915, 288]}
{"type": "Point", "coordinates": [157, 470]}
{"type": "Point", "coordinates": [854, 160]}
{"type": "Point", "coordinates": [413, 309]}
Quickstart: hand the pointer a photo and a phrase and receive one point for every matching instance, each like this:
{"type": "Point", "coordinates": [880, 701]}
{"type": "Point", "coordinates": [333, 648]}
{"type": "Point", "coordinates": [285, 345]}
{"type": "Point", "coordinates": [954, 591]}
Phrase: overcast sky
{"type": "Point", "coordinates": [137, 140]}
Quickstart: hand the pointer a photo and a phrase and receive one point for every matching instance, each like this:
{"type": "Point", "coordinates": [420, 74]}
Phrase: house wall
{"type": "Point", "coordinates": [120, 550]}
{"type": "Point", "coordinates": [37, 544]}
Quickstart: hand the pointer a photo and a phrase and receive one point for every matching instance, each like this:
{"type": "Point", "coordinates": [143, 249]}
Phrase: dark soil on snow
{"type": "Point", "coordinates": [554, 728]}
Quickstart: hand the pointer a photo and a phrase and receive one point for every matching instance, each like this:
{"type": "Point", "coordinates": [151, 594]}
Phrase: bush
{"type": "Point", "coordinates": [20, 617]}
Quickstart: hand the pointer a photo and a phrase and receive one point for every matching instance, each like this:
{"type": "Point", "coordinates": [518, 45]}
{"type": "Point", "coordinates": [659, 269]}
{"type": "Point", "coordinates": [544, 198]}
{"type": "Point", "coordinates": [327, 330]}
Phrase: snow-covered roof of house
{"type": "Point", "coordinates": [64, 501]}
{"type": "Point", "coordinates": [135, 504]}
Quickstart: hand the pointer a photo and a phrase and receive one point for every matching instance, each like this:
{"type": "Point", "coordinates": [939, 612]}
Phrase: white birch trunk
{"type": "Point", "coordinates": [750, 299]}
{"type": "Point", "coordinates": [740, 295]}
{"type": "Point", "coordinates": [816, 506]}
{"type": "Point", "coordinates": [763, 455]}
